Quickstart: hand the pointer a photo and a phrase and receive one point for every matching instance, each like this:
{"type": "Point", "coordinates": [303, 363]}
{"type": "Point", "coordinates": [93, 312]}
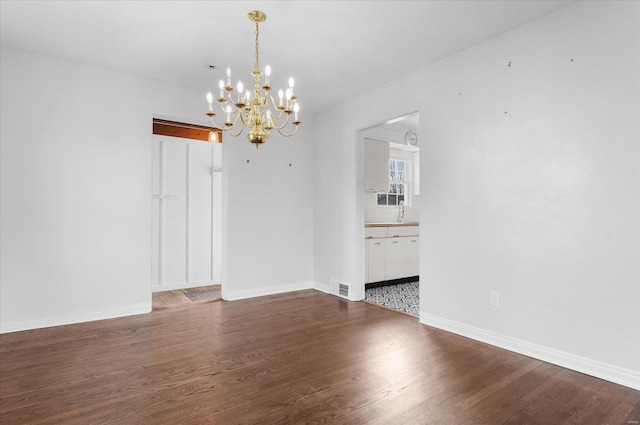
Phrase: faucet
{"type": "Point", "coordinates": [400, 211]}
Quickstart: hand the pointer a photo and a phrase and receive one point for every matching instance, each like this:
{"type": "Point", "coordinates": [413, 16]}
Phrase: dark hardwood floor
{"type": "Point", "coordinates": [296, 358]}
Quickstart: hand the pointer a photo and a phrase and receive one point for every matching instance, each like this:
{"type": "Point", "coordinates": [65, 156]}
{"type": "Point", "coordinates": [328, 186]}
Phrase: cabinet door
{"type": "Point", "coordinates": [395, 258]}
{"type": "Point", "coordinates": [413, 256]}
{"type": "Point", "coordinates": [376, 258]}
{"type": "Point", "coordinates": [366, 261]}
{"type": "Point", "coordinates": [402, 257]}
{"type": "Point", "coordinates": [376, 166]}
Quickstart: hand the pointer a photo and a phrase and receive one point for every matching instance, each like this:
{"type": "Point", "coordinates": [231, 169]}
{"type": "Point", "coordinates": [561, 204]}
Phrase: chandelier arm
{"type": "Point", "coordinates": [222, 106]}
{"type": "Point", "coordinates": [279, 114]}
{"type": "Point", "coordinates": [227, 127]}
{"type": "Point", "coordinates": [228, 101]}
{"type": "Point", "coordinates": [245, 123]}
{"type": "Point", "coordinates": [273, 102]}
{"type": "Point", "coordinates": [283, 125]}
{"type": "Point", "coordinates": [234, 123]}
{"type": "Point", "coordinates": [295, 130]}
{"type": "Point", "coordinates": [238, 133]}
{"type": "Point", "coordinates": [275, 116]}
{"type": "Point", "coordinates": [216, 125]}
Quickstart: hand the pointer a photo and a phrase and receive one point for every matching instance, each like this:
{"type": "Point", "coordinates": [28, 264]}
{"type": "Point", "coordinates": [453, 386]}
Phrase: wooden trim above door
{"type": "Point", "coordinates": [183, 130]}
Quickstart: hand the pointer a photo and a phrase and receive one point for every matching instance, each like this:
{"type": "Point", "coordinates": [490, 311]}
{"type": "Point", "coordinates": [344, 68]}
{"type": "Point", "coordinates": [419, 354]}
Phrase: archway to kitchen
{"type": "Point", "coordinates": [391, 193]}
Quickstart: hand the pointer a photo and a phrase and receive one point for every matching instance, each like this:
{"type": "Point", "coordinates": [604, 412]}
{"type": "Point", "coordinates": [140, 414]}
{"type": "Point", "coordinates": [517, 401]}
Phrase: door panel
{"type": "Point", "coordinates": [175, 212]}
{"type": "Point", "coordinates": [186, 235]}
{"type": "Point", "coordinates": [200, 212]}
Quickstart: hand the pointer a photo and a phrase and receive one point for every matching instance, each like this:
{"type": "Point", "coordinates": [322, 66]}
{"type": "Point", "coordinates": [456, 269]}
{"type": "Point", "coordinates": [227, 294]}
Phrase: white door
{"type": "Point", "coordinates": [186, 219]}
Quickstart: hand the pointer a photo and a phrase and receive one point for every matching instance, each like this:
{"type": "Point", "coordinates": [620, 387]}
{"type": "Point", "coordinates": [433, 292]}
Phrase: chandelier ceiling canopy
{"type": "Point", "coordinates": [256, 110]}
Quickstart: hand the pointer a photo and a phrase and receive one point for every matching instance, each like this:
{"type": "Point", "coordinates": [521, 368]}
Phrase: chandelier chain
{"type": "Point", "coordinates": [257, 65]}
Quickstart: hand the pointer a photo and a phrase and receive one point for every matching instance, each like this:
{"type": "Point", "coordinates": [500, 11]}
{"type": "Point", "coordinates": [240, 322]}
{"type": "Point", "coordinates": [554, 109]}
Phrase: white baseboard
{"type": "Point", "coordinates": [321, 287]}
{"type": "Point", "coordinates": [75, 317]}
{"type": "Point", "coordinates": [233, 295]}
{"type": "Point", "coordinates": [183, 285]}
{"type": "Point", "coordinates": [608, 372]}
{"type": "Point", "coordinates": [332, 289]}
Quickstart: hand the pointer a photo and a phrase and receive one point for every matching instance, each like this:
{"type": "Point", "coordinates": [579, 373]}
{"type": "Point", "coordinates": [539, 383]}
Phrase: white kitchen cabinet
{"type": "Point", "coordinates": [391, 253]}
{"type": "Point", "coordinates": [394, 259]}
{"type": "Point", "coordinates": [376, 166]}
{"type": "Point", "coordinates": [402, 257]}
{"type": "Point", "coordinates": [376, 260]}
{"type": "Point", "coordinates": [413, 256]}
{"type": "Point", "coordinates": [366, 261]}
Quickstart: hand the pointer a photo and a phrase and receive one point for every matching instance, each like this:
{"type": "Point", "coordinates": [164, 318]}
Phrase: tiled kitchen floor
{"type": "Point", "coordinates": [404, 297]}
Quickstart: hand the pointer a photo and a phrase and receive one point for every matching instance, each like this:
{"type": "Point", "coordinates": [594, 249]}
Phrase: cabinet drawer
{"type": "Point", "coordinates": [375, 232]}
{"type": "Point", "coordinates": [403, 231]}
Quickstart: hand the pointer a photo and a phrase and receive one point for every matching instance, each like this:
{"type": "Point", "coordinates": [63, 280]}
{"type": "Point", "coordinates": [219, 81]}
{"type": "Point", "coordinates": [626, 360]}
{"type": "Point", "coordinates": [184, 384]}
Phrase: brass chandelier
{"type": "Point", "coordinates": [255, 110]}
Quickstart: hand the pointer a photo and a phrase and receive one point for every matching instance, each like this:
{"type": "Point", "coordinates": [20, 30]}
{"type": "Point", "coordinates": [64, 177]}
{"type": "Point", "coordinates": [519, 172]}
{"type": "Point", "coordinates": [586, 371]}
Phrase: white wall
{"type": "Point", "coordinates": [529, 186]}
{"type": "Point", "coordinates": [270, 217]}
{"type": "Point", "coordinates": [75, 195]}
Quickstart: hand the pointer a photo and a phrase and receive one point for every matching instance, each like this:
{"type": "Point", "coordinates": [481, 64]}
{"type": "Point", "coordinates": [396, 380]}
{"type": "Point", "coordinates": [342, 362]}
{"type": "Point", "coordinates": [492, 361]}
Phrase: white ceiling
{"type": "Point", "coordinates": [334, 49]}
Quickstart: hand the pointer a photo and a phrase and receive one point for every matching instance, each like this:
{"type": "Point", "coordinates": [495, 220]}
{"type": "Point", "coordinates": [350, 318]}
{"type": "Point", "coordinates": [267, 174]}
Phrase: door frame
{"type": "Point", "coordinates": [359, 286]}
{"type": "Point", "coordinates": [217, 216]}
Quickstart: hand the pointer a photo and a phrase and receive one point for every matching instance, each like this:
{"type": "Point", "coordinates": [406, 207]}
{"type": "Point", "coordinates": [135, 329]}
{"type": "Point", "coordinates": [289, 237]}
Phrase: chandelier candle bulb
{"type": "Point", "coordinates": [289, 96]}
{"type": "Point", "coordinates": [267, 74]}
{"type": "Point", "coordinates": [280, 95]}
{"type": "Point", "coordinates": [210, 101]}
{"type": "Point", "coordinates": [228, 77]}
{"type": "Point", "coordinates": [228, 115]}
{"type": "Point", "coordinates": [240, 91]}
{"type": "Point", "coordinates": [268, 125]}
{"type": "Point", "coordinates": [221, 87]}
{"type": "Point", "coordinates": [296, 108]}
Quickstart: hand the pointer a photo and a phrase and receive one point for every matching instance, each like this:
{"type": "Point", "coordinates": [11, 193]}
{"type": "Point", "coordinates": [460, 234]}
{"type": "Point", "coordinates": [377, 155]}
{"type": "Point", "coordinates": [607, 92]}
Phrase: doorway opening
{"type": "Point", "coordinates": [391, 209]}
{"type": "Point", "coordinates": [186, 194]}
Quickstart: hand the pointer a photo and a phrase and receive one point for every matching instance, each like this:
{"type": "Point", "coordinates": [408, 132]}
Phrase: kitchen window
{"type": "Point", "coordinates": [398, 184]}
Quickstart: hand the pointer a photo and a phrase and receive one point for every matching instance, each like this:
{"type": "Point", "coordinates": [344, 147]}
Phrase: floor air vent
{"type": "Point", "coordinates": [340, 289]}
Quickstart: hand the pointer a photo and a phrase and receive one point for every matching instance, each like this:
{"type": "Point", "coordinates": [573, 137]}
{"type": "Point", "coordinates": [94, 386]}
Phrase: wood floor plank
{"type": "Point", "coordinates": [178, 297]}
{"type": "Point", "coordinates": [295, 358]}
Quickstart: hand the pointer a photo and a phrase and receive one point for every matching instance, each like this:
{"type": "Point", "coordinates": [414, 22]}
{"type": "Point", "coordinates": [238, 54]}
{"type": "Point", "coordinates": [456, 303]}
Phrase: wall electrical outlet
{"type": "Point", "coordinates": [494, 298]}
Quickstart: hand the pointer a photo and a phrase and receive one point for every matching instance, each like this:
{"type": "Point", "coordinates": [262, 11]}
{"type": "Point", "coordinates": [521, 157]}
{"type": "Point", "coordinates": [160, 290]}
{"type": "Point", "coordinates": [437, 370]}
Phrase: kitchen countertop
{"type": "Point", "coordinates": [392, 224]}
